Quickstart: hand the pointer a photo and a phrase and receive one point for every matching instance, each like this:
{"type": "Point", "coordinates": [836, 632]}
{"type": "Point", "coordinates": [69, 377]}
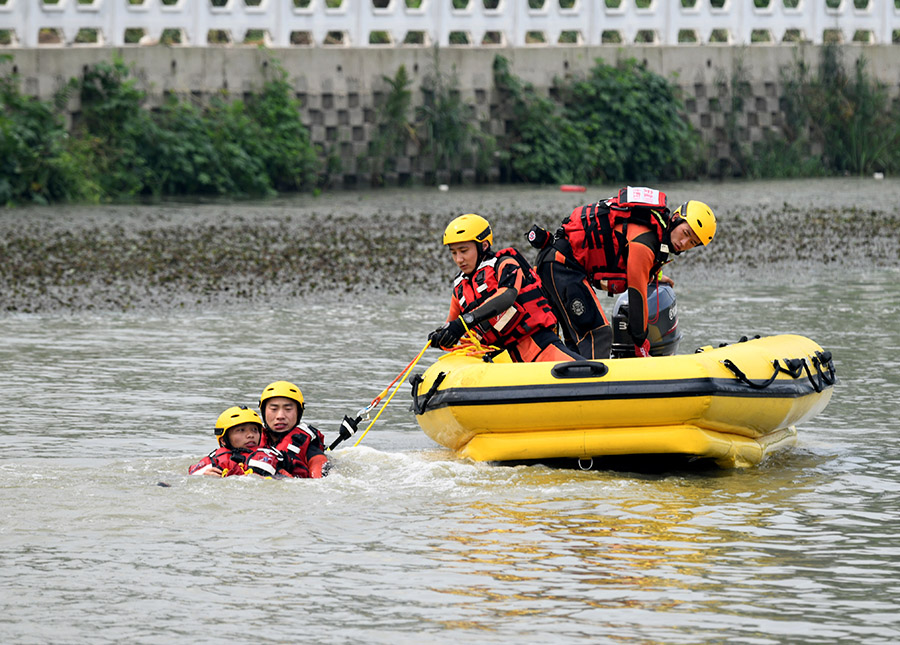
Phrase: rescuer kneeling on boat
{"type": "Point", "coordinates": [616, 244]}
{"type": "Point", "coordinates": [498, 296]}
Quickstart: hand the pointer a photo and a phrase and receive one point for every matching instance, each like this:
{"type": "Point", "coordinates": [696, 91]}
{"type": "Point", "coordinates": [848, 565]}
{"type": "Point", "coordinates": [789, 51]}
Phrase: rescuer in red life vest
{"type": "Point", "coordinates": [239, 431]}
{"type": "Point", "coordinates": [301, 445]}
{"type": "Point", "coordinates": [498, 296]}
{"type": "Point", "coordinates": [616, 244]}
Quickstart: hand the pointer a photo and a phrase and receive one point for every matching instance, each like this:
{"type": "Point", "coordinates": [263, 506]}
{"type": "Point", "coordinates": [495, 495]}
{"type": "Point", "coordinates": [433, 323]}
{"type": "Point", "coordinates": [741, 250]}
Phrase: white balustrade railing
{"type": "Point", "coordinates": [26, 23]}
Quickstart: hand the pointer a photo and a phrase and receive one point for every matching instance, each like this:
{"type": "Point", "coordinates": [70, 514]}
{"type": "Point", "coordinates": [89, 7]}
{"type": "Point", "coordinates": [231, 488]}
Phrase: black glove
{"type": "Point", "coordinates": [348, 429]}
{"type": "Point", "coordinates": [448, 335]}
{"type": "Point", "coordinates": [538, 237]}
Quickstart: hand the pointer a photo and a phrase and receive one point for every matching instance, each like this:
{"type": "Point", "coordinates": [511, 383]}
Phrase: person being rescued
{"type": "Point", "coordinates": [302, 447]}
{"type": "Point", "coordinates": [498, 296]}
{"type": "Point", "coordinates": [615, 244]}
{"type": "Point", "coordinates": [239, 431]}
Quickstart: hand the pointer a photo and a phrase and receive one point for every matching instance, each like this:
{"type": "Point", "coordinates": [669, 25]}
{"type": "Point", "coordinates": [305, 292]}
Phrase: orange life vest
{"type": "Point", "coordinates": [598, 233]}
{"type": "Point", "coordinates": [529, 313]}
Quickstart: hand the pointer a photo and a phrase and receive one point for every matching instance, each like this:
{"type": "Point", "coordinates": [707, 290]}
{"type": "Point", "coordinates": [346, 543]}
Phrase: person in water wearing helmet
{"type": "Point", "coordinates": [239, 431]}
{"type": "Point", "coordinates": [498, 295]}
{"type": "Point", "coordinates": [302, 446]}
{"type": "Point", "coordinates": [616, 244]}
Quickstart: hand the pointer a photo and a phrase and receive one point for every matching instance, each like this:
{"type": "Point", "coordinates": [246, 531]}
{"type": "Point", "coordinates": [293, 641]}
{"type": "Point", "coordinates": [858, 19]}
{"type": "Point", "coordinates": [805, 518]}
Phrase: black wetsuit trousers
{"type": "Point", "coordinates": [583, 324]}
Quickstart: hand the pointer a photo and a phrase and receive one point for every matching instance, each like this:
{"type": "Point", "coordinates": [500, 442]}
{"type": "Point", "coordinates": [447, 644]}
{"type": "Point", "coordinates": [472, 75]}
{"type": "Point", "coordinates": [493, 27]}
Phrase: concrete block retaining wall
{"type": "Point", "coordinates": [341, 89]}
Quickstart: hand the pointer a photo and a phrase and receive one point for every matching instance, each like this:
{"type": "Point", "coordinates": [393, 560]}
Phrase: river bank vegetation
{"type": "Point", "coordinates": [619, 123]}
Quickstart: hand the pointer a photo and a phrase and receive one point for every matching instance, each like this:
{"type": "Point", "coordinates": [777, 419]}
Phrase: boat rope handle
{"type": "Point", "coordinates": [817, 385]}
{"type": "Point", "coordinates": [821, 379]}
{"type": "Point", "coordinates": [742, 339]}
{"type": "Point", "coordinates": [744, 379]}
{"type": "Point", "coordinates": [793, 367]}
{"type": "Point", "coordinates": [416, 381]}
{"type": "Point", "coordinates": [822, 359]}
{"type": "Point", "coordinates": [825, 359]}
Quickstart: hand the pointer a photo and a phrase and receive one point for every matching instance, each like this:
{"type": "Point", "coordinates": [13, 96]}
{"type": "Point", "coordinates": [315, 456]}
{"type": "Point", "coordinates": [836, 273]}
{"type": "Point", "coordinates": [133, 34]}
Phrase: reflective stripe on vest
{"type": "Point", "coordinates": [529, 313]}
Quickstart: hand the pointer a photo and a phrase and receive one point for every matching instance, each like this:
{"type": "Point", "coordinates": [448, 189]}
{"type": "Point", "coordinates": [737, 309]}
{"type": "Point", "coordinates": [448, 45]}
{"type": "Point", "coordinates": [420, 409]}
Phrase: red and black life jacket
{"type": "Point", "coordinates": [241, 461]}
{"type": "Point", "coordinates": [294, 447]}
{"type": "Point", "coordinates": [529, 313]}
{"type": "Point", "coordinates": [598, 233]}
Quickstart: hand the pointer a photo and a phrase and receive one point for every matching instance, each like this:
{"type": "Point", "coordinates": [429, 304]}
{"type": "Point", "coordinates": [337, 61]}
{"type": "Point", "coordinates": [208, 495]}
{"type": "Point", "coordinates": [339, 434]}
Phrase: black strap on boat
{"type": "Point", "coordinates": [822, 379]}
{"type": "Point", "coordinates": [817, 385]}
{"type": "Point", "coordinates": [743, 377]}
{"type": "Point", "coordinates": [793, 367]}
{"type": "Point", "coordinates": [824, 359]}
{"type": "Point", "coordinates": [742, 339]}
{"type": "Point", "coordinates": [415, 381]}
{"type": "Point", "coordinates": [820, 360]}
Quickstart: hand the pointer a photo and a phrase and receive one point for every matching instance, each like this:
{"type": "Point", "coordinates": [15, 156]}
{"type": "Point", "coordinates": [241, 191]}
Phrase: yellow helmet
{"type": "Point", "coordinates": [468, 228]}
{"type": "Point", "coordinates": [235, 416]}
{"type": "Point", "coordinates": [699, 217]}
{"type": "Point", "coordinates": [281, 388]}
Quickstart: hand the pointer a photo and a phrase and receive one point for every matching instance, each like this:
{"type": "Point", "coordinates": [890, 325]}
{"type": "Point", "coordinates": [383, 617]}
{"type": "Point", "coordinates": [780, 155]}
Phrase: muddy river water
{"type": "Point", "coordinates": [127, 329]}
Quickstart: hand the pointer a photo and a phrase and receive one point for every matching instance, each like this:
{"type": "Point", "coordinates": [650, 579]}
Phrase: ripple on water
{"type": "Point", "coordinates": [405, 542]}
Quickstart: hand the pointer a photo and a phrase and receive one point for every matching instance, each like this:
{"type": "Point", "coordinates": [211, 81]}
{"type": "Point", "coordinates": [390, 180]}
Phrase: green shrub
{"type": "Point", "coordinates": [848, 117]}
{"type": "Point", "coordinates": [117, 128]}
{"type": "Point", "coordinates": [393, 128]}
{"type": "Point", "coordinates": [222, 149]}
{"type": "Point", "coordinates": [633, 122]}
{"type": "Point", "coordinates": [542, 144]}
{"type": "Point", "coordinates": [38, 161]}
{"type": "Point", "coordinates": [445, 122]}
{"type": "Point", "coordinates": [202, 152]}
{"type": "Point", "coordinates": [288, 156]}
{"type": "Point", "coordinates": [852, 118]}
{"type": "Point", "coordinates": [622, 123]}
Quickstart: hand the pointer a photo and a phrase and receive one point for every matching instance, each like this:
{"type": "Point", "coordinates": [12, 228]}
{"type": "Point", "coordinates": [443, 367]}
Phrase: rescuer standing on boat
{"type": "Point", "coordinates": [498, 296]}
{"type": "Point", "coordinates": [615, 244]}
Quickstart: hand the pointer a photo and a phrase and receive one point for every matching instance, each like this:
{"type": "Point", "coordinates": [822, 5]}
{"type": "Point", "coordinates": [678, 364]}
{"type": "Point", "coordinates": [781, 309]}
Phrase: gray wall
{"type": "Point", "coordinates": [340, 87]}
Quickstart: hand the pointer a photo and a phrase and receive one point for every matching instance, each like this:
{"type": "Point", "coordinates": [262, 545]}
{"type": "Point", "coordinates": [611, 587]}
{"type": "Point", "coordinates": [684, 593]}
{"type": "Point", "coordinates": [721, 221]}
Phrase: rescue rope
{"type": "Point", "coordinates": [473, 345]}
{"type": "Point", "coordinates": [469, 345]}
{"type": "Point", "coordinates": [401, 377]}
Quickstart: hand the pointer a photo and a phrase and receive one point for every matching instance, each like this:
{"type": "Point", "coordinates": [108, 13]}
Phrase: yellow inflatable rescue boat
{"type": "Point", "coordinates": [733, 404]}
